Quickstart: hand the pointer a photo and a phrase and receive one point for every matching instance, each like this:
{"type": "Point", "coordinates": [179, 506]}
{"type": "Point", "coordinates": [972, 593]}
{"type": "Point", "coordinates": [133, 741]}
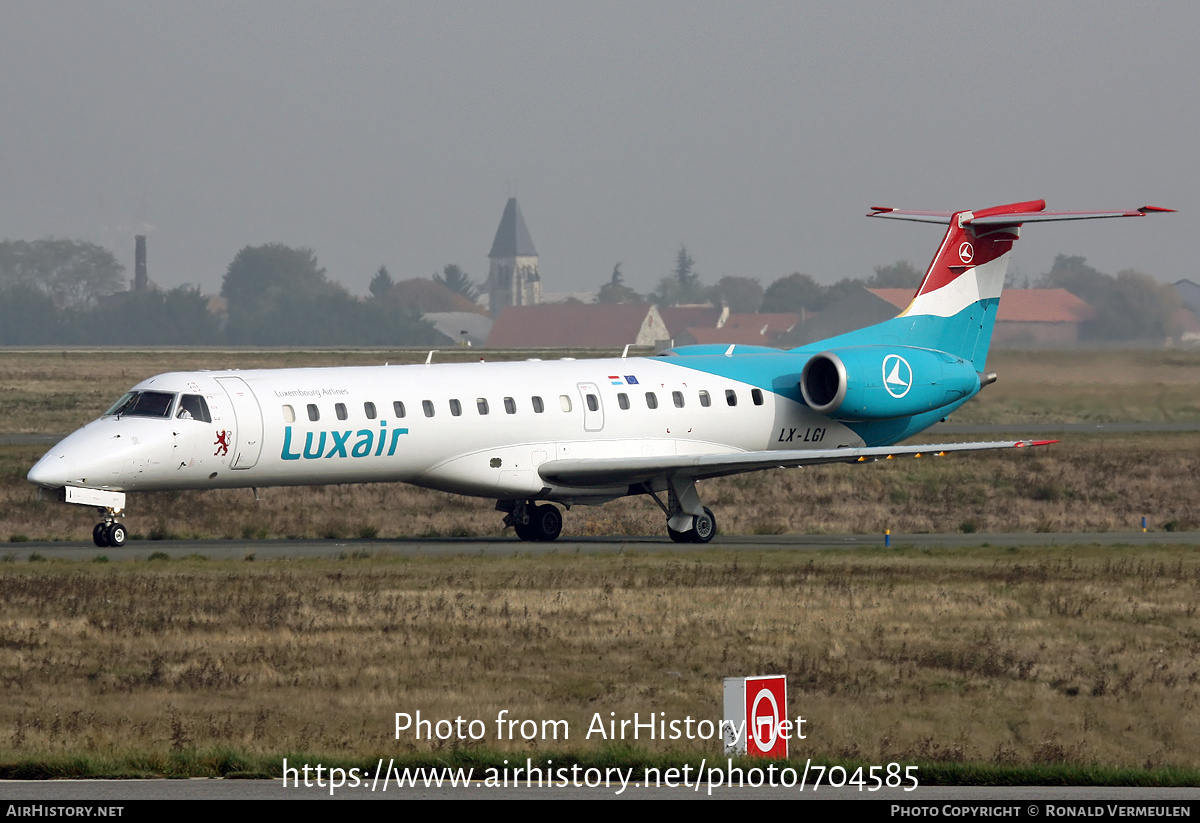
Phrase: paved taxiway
{"type": "Point", "coordinates": [507, 546]}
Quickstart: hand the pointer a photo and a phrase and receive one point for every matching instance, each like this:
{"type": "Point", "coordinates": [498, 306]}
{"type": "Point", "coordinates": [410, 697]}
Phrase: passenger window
{"type": "Point", "coordinates": [340, 410]}
{"type": "Point", "coordinates": [677, 397]}
{"type": "Point", "coordinates": [705, 400]}
{"type": "Point", "coordinates": [313, 413]}
{"type": "Point", "coordinates": [757, 396]}
{"type": "Point", "coordinates": [194, 407]}
{"type": "Point", "coordinates": [427, 405]}
{"type": "Point", "coordinates": [731, 397]}
{"type": "Point", "coordinates": [369, 410]}
{"type": "Point", "coordinates": [510, 405]}
{"type": "Point", "coordinates": [398, 408]}
{"type": "Point", "coordinates": [565, 402]}
{"type": "Point", "coordinates": [481, 404]}
{"type": "Point", "coordinates": [623, 400]}
{"type": "Point", "coordinates": [455, 408]}
{"type": "Point", "coordinates": [289, 414]}
{"type": "Point", "coordinates": [651, 400]}
{"type": "Point", "coordinates": [538, 405]}
{"type": "Point", "coordinates": [593, 402]}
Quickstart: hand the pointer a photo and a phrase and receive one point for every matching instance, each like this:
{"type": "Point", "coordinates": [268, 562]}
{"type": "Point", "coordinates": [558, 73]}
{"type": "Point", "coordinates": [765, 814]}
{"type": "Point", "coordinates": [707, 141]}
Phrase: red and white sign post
{"type": "Point", "coordinates": [755, 713]}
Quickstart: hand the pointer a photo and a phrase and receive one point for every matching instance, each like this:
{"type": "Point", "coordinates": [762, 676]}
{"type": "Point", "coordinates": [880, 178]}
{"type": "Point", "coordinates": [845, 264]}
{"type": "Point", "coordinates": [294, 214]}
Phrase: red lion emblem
{"type": "Point", "coordinates": [222, 443]}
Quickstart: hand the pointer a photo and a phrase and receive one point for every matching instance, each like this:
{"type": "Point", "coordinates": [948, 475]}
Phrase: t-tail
{"type": "Point", "coordinates": [954, 310]}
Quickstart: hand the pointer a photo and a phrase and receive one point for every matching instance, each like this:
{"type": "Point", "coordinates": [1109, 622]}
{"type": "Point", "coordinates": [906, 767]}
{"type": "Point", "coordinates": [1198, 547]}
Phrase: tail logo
{"type": "Point", "coordinates": [966, 252]}
{"type": "Point", "coordinates": [897, 375]}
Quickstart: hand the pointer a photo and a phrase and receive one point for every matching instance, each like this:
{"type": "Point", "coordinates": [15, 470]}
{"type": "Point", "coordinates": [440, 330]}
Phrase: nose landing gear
{"type": "Point", "coordinates": [110, 533]}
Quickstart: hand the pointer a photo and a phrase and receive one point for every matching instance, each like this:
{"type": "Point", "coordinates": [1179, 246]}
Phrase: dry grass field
{"type": "Point", "coordinates": [1081, 656]}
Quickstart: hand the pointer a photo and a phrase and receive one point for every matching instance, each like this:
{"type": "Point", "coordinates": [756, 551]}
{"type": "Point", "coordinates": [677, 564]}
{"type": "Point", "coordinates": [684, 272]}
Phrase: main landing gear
{"type": "Point", "coordinates": [110, 533]}
{"type": "Point", "coordinates": [531, 521]}
{"type": "Point", "coordinates": [688, 521]}
{"type": "Point", "coordinates": [704, 528]}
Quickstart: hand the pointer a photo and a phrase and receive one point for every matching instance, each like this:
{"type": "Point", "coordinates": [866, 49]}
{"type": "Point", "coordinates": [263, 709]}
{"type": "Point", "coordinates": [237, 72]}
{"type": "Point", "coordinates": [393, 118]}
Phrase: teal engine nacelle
{"type": "Point", "coordinates": [884, 382]}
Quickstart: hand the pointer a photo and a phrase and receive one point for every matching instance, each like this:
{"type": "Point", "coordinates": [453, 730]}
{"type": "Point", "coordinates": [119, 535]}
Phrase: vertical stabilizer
{"type": "Point", "coordinates": [954, 310]}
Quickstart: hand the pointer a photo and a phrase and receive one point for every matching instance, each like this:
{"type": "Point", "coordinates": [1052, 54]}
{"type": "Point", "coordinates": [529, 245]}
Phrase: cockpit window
{"type": "Point", "coordinates": [143, 404]}
{"type": "Point", "coordinates": [193, 407]}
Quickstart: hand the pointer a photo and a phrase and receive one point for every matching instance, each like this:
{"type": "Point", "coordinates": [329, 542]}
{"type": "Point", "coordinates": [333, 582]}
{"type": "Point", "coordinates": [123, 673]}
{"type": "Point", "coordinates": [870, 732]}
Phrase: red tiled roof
{"type": "Point", "coordinates": [678, 318]}
{"type": "Point", "coordinates": [1018, 305]}
{"type": "Point", "coordinates": [568, 325]}
{"type": "Point", "coordinates": [773, 322]}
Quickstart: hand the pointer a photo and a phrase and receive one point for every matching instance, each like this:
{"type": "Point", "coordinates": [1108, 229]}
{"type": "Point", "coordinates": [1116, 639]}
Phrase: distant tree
{"type": "Point", "coordinates": [185, 312]}
{"type": "Point", "coordinates": [426, 296]}
{"type": "Point", "coordinates": [270, 290]}
{"type": "Point", "coordinates": [457, 281]}
{"type": "Point", "coordinates": [179, 317]}
{"type": "Point", "coordinates": [1131, 306]}
{"type": "Point", "coordinates": [899, 275]}
{"type": "Point", "coordinates": [615, 290]}
{"type": "Point", "coordinates": [381, 283]}
{"type": "Point", "coordinates": [843, 289]}
{"type": "Point", "coordinates": [72, 272]}
{"type": "Point", "coordinates": [1071, 272]}
{"type": "Point", "coordinates": [740, 294]}
{"type": "Point", "coordinates": [27, 316]}
{"type": "Point", "coordinates": [792, 293]}
{"type": "Point", "coordinates": [1015, 279]}
{"type": "Point", "coordinates": [683, 285]}
{"type": "Point", "coordinates": [259, 271]}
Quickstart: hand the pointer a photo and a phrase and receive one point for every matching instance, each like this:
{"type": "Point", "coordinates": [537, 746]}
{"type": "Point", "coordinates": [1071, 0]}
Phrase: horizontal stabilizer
{"type": "Point", "coordinates": [995, 217]}
{"type": "Point", "coordinates": [608, 471]}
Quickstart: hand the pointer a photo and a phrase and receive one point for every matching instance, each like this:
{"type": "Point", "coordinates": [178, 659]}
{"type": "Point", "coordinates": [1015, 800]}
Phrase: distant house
{"type": "Point", "coordinates": [678, 318]}
{"type": "Point", "coordinates": [461, 327]}
{"type": "Point", "coordinates": [1041, 316]}
{"type": "Point", "coordinates": [569, 325]}
{"type": "Point", "coordinates": [1189, 294]}
{"type": "Point", "coordinates": [1047, 316]}
{"type": "Point", "coordinates": [764, 329]}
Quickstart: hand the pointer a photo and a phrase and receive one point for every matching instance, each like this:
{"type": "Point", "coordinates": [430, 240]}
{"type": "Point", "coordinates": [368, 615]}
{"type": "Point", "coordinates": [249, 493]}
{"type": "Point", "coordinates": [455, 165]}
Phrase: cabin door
{"type": "Point", "coordinates": [249, 426]}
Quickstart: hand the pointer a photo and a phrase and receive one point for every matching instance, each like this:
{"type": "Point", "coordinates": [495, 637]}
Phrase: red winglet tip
{"type": "Point", "coordinates": [1145, 209]}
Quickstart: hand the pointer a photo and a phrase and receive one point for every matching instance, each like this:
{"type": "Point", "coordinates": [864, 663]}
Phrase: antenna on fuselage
{"type": "Point", "coordinates": [625, 353]}
{"type": "Point", "coordinates": [429, 359]}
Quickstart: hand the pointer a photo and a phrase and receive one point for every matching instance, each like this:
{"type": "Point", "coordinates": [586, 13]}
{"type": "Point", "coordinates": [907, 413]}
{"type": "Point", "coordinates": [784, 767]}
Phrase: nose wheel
{"type": "Point", "coordinates": [110, 533]}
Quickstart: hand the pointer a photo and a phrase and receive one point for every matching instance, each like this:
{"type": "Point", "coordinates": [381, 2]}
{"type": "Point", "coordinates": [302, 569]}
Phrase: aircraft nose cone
{"type": "Point", "coordinates": [51, 471]}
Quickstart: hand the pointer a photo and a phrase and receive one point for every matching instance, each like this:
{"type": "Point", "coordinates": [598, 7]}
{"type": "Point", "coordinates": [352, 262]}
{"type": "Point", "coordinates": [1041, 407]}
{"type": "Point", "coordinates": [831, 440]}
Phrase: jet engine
{"type": "Point", "coordinates": [885, 382]}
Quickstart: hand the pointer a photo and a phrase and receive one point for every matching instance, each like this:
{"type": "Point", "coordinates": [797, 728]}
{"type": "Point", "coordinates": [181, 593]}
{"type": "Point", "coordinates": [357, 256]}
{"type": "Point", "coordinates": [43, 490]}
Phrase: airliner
{"type": "Point", "coordinates": [533, 434]}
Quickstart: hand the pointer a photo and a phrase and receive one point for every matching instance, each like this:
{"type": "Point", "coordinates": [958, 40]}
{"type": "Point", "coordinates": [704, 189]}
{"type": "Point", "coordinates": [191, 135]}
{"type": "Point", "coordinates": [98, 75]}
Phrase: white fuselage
{"type": "Point", "coordinates": [471, 428]}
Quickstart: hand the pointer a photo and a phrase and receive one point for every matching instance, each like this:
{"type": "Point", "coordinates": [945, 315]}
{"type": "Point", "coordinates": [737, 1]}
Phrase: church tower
{"type": "Point", "coordinates": [513, 278]}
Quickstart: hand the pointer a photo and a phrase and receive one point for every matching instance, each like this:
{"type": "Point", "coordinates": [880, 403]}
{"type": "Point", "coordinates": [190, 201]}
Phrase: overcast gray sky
{"type": "Point", "coordinates": [755, 133]}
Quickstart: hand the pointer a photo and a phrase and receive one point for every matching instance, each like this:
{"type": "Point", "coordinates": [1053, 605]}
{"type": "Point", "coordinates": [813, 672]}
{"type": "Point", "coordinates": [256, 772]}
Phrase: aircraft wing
{"type": "Point", "coordinates": [608, 471]}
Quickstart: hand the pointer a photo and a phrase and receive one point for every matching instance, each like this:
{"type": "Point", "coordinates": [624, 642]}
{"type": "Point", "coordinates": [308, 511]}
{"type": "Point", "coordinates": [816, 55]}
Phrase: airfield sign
{"type": "Point", "coordinates": [755, 714]}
